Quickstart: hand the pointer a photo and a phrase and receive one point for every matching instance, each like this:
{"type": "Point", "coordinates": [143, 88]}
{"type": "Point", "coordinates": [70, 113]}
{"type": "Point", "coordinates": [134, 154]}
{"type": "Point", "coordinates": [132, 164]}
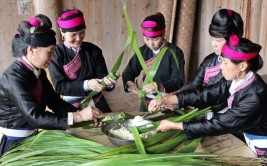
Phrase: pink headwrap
{"type": "Point", "coordinates": [71, 23]}
{"type": "Point", "coordinates": [235, 55]}
{"type": "Point", "coordinates": [147, 29]}
{"type": "Point", "coordinates": [33, 21]}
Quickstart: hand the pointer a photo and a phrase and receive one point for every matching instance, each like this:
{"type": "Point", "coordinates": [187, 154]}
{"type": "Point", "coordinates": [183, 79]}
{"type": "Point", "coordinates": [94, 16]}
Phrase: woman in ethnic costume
{"type": "Point", "coordinates": [169, 76]}
{"type": "Point", "coordinates": [78, 67]}
{"type": "Point", "coordinates": [224, 23]}
{"type": "Point", "coordinates": [25, 90]}
{"type": "Point", "coordinates": [244, 90]}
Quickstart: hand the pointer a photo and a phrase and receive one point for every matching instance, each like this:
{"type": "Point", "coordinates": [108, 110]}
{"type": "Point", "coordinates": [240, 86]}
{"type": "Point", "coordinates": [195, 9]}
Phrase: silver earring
{"type": "Point", "coordinates": [63, 38]}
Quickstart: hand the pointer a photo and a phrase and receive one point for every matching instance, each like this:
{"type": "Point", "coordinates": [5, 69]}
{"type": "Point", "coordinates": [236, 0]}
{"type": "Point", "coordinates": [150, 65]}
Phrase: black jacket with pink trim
{"type": "Point", "coordinates": [92, 66]}
{"type": "Point", "coordinates": [247, 114]}
{"type": "Point", "coordinates": [198, 80]}
{"type": "Point", "coordinates": [170, 74]}
{"type": "Point", "coordinates": [18, 106]}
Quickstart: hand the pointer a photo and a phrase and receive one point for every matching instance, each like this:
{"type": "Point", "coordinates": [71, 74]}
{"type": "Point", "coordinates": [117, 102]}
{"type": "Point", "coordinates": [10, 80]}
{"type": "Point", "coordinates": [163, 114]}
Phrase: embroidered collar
{"type": "Point", "coordinates": [36, 72]}
{"type": "Point", "coordinates": [236, 84]}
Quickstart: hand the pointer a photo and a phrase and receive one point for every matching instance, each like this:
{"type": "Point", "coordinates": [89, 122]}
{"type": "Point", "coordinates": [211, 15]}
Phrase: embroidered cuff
{"type": "Point", "coordinates": [70, 118]}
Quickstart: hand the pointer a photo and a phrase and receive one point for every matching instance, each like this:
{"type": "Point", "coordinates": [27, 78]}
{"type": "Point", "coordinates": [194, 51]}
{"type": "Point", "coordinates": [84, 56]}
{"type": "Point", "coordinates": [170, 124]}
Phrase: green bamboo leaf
{"type": "Point", "coordinates": [183, 118]}
{"type": "Point", "coordinates": [147, 142]}
{"type": "Point", "coordinates": [87, 99]}
{"type": "Point", "coordinates": [38, 136]}
{"type": "Point", "coordinates": [134, 44]}
{"type": "Point", "coordinates": [117, 65]}
{"type": "Point", "coordinates": [167, 145]}
{"type": "Point", "coordinates": [150, 73]}
{"type": "Point", "coordinates": [113, 72]}
{"type": "Point", "coordinates": [138, 141]}
{"type": "Point", "coordinates": [15, 149]}
{"type": "Point", "coordinates": [175, 58]}
{"type": "Point", "coordinates": [155, 124]}
{"type": "Point", "coordinates": [37, 157]}
{"type": "Point", "coordinates": [180, 111]}
{"type": "Point", "coordinates": [141, 93]}
{"type": "Point", "coordinates": [40, 145]}
{"type": "Point", "coordinates": [106, 118]}
{"type": "Point", "coordinates": [155, 159]}
{"type": "Point", "coordinates": [159, 137]}
{"type": "Point", "coordinates": [195, 113]}
{"type": "Point", "coordinates": [155, 65]}
{"type": "Point", "coordinates": [189, 146]}
{"type": "Point", "coordinates": [21, 156]}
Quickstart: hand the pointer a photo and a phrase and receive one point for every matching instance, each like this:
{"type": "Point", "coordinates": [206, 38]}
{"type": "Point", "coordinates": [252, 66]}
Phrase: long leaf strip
{"type": "Point", "coordinates": [189, 146]}
{"type": "Point", "coordinates": [138, 141]}
{"type": "Point", "coordinates": [186, 117]}
{"type": "Point", "coordinates": [167, 145]}
{"type": "Point", "coordinates": [113, 72]}
{"type": "Point", "coordinates": [119, 118]}
{"type": "Point", "coordinates": [154, 67]}
{"type": "Point", "coordinates": [150, 73]}
{"type": "Point", "coordinates": [134, 44]}
{"type": "Point", "coordinates": [154, 139]}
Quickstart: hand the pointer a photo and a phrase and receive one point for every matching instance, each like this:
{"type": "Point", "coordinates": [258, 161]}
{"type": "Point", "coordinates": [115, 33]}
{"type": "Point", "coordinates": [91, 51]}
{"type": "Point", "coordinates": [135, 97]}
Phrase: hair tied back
{"type": "Point", "coordinates": [234, 40]}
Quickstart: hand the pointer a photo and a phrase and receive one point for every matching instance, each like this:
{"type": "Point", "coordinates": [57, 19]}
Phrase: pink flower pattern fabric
{"type": "Point", "coordinates": [211, 72]}
{"type": "Point", "coordinates": [72, 68]}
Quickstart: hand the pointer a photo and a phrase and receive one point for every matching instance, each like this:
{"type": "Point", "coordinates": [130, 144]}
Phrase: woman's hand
{"type": "Point", "coordinates": [94, 85]}
{"type": "Point", "coordinates": [156, 104]}
{"type": "Point", "coordinates": [154, 88]}
{"type": "Point", "coordinates": [151, 88]}
{"type": "Point", "coordinates": [166, 102]}
{"type": "Point", "coordinates": [88, 113]}
{"type": "Point", "coordinates": [109, 81]}
{"type": "Point", "coordinates": [132, 87]}
{"type": "Point", "coordinates": [166, 125]}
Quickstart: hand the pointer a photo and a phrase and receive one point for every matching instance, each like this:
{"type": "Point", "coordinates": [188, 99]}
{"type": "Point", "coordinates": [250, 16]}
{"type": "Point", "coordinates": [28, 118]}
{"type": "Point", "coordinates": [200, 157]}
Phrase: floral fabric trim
{"type": "Point", "coordinates": [72, 68]}
{"type": "Point", "coordinates": [211, 72]}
